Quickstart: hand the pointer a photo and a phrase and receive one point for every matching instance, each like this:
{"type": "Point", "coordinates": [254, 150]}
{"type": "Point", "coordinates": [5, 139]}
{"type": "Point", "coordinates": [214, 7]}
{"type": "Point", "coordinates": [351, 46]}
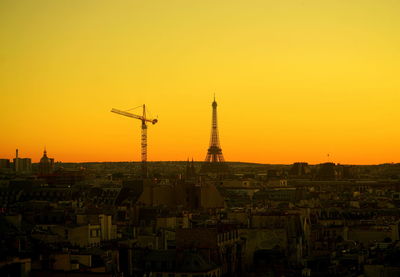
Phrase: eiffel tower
{"type": "Point", "coordinates": [214, 161]}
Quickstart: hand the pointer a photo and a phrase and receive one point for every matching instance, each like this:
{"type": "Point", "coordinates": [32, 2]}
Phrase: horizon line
{"type": "Point", "coordinates": [258, 163]}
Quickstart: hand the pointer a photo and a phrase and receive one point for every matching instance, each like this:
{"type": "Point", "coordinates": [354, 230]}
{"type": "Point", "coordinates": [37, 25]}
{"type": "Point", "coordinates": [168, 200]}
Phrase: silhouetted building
{"type": "Point", "coordinates": [66, 177]}
{"type": "Point", "coordinates": [349, 172]}
{"type": "Point", "coordinates": [5, 165]}
{"type": "Point", "coordinates": [22, 165]}
{"type": "Point", "coordinates": [46, 165]}
{"type": "Point", "coordinates": [188, 194]}
{"type": "Point", "coordinates": [300, 170]}
{"type": "Point", "coordinates": [220, 244]}
{"type": "Point", "coordinates": [327, 171]}
{"type": "Point", "coordinates": [190, 170]}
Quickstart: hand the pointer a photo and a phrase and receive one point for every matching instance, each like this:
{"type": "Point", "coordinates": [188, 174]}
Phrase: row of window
{"type": "Point", "coordinates": [94, 233]}
{"type": "Point", "coordinates": [228, 236]}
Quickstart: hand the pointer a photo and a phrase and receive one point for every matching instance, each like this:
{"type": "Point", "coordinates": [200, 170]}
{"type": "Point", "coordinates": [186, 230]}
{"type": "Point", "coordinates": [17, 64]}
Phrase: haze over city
{"type": "Point", "coordinates": [295, 80]}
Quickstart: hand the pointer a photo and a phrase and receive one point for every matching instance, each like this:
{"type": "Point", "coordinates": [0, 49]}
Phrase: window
{"type": "Point", "coordinates": [94, 233]}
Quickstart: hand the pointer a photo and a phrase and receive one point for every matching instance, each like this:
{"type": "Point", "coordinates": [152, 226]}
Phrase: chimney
{"type": "Point", "coordinates": [16, 153]}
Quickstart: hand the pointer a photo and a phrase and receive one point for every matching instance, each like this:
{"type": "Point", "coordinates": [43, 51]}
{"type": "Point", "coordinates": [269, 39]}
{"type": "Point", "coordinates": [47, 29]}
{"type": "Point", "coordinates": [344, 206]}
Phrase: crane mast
{"type": "Point", "coordinates": [144, 120]}
{"type": "Point", "coordinates": [144, 144]}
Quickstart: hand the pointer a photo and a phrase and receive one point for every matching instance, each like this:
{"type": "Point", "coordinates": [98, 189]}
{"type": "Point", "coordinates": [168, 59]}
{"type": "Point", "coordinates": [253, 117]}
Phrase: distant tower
{"type": "Point", "coordinates": [214, 161]}
{"type": "Point", "coordinates": [214, 153]}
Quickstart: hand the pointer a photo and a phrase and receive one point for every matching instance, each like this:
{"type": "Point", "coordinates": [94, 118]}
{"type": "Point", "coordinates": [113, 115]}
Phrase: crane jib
{"type": "Point", "coordinates": [144, 119]}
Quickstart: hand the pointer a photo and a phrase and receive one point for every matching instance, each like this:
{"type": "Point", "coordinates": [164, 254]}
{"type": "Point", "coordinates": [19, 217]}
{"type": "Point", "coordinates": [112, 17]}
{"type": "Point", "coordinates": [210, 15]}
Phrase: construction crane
{"type": "Point", "coordinates": [144, 120]}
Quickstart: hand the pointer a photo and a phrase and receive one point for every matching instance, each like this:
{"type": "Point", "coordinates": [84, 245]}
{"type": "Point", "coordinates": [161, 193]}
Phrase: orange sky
{"type": "Point", "coordinates": [294, 80]}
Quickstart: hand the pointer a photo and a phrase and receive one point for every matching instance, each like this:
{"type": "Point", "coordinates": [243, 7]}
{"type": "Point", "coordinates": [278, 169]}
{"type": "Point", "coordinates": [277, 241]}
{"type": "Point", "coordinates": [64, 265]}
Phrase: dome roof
{"type": "Point", "coordinates": [44, 159]}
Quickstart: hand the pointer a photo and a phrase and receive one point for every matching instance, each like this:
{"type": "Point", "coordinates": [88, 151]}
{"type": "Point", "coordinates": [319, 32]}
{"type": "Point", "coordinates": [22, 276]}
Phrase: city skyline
{"type": "Point", "coordinates": [295, 81]}
{"type": "Point", "coordinates": [204, 138]}
{"type": "Point", "coordinates": [328, 158]}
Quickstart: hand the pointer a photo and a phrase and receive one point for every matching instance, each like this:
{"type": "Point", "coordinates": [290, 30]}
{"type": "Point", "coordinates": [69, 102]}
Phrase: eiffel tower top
{"type": "Point", "coordinates": [214, 104]}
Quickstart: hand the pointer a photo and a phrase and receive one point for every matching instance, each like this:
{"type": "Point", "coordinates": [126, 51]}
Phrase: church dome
{"type": "Point", "coordinates": [44, 159]}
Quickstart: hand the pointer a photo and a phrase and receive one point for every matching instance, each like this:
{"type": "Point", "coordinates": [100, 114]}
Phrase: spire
{"type": "Point", "coordinates": [214, 103]}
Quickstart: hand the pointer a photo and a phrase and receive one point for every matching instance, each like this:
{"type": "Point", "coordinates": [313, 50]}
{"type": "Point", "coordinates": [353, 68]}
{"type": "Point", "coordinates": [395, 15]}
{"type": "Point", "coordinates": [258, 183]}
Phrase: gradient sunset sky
{"type": "Point", "coordinates": [294, 80]}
